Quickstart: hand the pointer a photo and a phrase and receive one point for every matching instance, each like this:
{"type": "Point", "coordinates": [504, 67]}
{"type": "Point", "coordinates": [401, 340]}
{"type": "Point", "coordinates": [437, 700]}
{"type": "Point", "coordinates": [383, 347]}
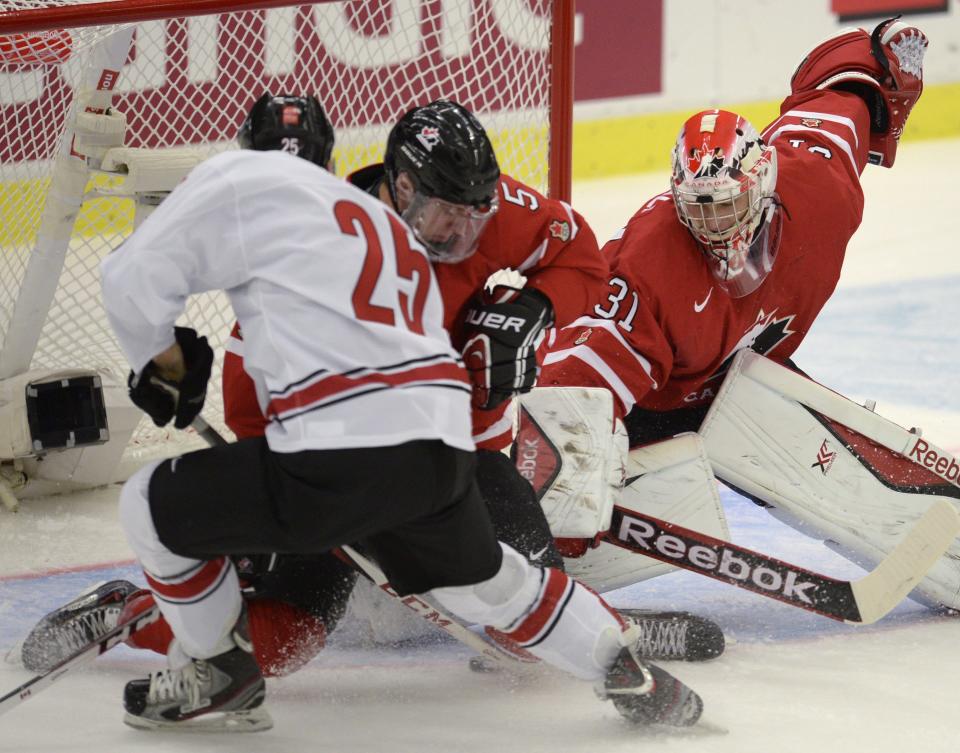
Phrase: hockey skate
{"type": "Point", "coordinates": [66, 630]}
{"type": "Point", "coordinates": [645, 694]}
{"type": "Point", "coordinates": [661, 636]}
{"type": "Point", "coordinates": [678, 636]}
{"type": "Point", "coordinates": [221, 694]}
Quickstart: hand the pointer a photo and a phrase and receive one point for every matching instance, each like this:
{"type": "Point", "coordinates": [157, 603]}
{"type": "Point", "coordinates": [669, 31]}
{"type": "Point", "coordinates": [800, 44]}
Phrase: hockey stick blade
{"type": "Point", "coordinates": [899, 572]}
{"type": "Point", "coordinates": [80, 658]}
{"type": "Point", "coordinates": [858, 602]}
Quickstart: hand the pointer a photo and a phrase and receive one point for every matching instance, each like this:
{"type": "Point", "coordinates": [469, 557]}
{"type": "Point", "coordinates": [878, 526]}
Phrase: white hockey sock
{"type": "Point", "coordinates": [546, 612]}
{"type": "Point", "coordinates": [200, 599]}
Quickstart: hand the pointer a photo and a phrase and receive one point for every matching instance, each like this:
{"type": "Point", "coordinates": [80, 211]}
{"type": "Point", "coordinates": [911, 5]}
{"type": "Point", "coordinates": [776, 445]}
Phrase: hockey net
{"type": "Point", "coordinates": [187, 82]}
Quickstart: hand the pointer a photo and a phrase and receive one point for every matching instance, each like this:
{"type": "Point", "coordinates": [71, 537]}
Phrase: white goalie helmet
{"type": "Point", "coordinates": [724, 178]}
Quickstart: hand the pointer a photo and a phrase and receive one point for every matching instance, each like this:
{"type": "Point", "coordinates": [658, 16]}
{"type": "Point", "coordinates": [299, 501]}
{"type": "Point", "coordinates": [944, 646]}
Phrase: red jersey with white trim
{"type": "Point", "coordinates": [666, 333]}
{"type": "Point", "coordinates": [340, 310]}
{"type": "Point", "coordinates": [543, 239]}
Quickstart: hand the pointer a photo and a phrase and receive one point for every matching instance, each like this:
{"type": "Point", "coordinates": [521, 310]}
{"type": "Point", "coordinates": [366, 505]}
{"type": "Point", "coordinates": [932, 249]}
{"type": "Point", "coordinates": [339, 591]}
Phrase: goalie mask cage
{"type": "Point", "coordinates": [188, 71]}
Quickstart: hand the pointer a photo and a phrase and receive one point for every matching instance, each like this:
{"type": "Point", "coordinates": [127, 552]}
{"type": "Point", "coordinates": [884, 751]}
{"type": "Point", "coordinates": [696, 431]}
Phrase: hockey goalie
{"type": "Point", "coordinates": [740, 256]}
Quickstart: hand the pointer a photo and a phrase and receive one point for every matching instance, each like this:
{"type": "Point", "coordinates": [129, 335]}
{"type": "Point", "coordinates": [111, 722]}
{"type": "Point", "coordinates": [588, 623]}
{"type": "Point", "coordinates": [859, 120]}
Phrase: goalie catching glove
{"type": "Point", "coordinates": [502, 330]}
{"type": "Point", "coordinates": [884, 68]}
{"type": "Point", "coordinates": [164, 399]}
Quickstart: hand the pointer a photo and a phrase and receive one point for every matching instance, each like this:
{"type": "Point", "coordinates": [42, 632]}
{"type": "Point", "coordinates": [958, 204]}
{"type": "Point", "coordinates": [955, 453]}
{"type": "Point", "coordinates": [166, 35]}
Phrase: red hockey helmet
{"type": "Point", "coordinates": [724, 178]}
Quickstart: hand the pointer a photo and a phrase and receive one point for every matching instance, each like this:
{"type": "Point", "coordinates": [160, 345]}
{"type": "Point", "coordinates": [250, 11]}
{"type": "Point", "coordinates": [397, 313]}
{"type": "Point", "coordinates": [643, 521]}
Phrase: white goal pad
{"type": "Point", "coordinates": [831, 468]}
{"type": "Point", "coordinates": [670, 480]}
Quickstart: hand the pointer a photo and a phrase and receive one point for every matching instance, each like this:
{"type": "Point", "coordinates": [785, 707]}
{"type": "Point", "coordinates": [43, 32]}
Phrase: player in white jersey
{"type": "Point", "coordinates": [368, 440]}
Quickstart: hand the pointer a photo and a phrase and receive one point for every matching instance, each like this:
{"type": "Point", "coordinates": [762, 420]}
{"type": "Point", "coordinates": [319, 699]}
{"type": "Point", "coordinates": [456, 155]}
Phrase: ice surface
{"type": "Point", "coordinates": [789, 682]}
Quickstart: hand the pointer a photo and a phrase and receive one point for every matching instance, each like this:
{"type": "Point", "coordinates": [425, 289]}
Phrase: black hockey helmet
{"type": "Point", "coordinates": [446, 152]}
{"type": "Point", "coordinates": [288, 123]}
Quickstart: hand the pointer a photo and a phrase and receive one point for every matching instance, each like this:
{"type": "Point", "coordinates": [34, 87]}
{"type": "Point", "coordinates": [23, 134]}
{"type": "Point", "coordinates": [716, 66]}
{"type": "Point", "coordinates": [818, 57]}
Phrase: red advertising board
{"type": "Point", "coordinates": [620, 49]}
{"type": "Point", "coordinates": [851, 9]}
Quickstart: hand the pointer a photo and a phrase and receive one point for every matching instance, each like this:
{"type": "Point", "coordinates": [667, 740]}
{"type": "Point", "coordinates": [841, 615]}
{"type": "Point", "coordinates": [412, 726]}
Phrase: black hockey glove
{"type": "Point", "coordinates": [501, 331]}
{"type": "Point", "coordinates": [163, 399]}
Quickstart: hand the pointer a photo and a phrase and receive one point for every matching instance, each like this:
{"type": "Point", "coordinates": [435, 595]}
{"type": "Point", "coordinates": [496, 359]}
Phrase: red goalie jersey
{"type": "Point", "coordinates": [665, 335]}
{"type": "Point", "coordinates": [543, 239]}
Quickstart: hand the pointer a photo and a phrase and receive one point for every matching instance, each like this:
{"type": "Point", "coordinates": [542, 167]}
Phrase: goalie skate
{"type": "Point", "coordinates": [676, 636]}
{"type": "Point", "coordinates": [66, 630]}
{"type": "Point", "coordinates": [645, 694]}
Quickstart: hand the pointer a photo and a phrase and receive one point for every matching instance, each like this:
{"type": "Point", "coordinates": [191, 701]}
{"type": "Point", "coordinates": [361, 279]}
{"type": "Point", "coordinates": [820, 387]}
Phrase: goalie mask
{"type": "Point", "coordinates": [723, 184]}
{"type": "Point", "coordinates": [442, 175]}
{"type": "Point", "coordinates": [285, 123]}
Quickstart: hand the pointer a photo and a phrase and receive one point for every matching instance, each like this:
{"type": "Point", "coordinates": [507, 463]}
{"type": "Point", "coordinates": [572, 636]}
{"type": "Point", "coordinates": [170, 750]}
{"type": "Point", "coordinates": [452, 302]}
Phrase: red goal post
{"type": "Point", "coordinates": [183, 73]}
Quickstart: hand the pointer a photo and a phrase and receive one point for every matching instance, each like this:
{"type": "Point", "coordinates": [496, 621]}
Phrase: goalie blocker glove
{"type": "Point", "coordinates": [163, 399]}
{"type": "Point", "coordinates": [502, 329]}
{"type": "Point", "coordinates": [884, 68]}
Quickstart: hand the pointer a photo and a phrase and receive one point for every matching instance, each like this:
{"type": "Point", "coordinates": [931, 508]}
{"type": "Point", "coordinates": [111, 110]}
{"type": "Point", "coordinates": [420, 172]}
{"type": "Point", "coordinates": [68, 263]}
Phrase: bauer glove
{"type": "Point", "coordinates": [502, 331]}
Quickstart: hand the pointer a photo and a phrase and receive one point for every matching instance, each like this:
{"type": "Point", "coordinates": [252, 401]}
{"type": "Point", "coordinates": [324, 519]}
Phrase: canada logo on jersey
{"type": "Point", "coordinates": [811, 122]}
{"type": "Point", "coordinates": [429, 136]}
{"type": "Point", "coordinates": [560, 229]}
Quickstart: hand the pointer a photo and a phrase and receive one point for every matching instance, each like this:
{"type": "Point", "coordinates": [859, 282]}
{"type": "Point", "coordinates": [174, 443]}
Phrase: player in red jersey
{"type": "Point", "coordinates": [475, 221]}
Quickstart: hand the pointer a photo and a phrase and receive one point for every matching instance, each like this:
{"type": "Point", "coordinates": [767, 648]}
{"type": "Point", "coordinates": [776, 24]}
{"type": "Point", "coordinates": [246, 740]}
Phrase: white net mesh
{"type": "Point", "coordinates": [188, 82]}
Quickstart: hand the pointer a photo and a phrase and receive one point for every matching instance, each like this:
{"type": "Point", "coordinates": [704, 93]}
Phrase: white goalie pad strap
{"type": "Point", "coordinates": [670, 480]}
{"type": "Point", "coordinates": [830, 467]}
{"type": "Point", "coordinates": [568, 448]}
{"type": "Point", "coordinates": [150, 170]}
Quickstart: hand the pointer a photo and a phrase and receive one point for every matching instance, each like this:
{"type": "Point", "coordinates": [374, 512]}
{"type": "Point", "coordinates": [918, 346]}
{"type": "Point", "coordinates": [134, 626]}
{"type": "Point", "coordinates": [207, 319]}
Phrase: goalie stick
{"type": "Point", "coordinates": [80, 658]}
{"type": "Point", "coordinates": [857, 602]}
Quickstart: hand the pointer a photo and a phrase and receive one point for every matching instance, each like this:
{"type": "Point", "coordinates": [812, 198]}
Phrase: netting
{"type": "Point", "coordinates": [188, 82]}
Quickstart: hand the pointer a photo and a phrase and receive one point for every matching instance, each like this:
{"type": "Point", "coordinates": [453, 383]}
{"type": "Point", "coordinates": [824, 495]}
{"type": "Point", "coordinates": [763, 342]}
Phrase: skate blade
{"type": "Point", "coordinates": [253, 720]}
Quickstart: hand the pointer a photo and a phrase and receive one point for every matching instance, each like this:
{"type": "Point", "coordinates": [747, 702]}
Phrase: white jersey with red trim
{"type": "Point", "coordinates": [341, 315]}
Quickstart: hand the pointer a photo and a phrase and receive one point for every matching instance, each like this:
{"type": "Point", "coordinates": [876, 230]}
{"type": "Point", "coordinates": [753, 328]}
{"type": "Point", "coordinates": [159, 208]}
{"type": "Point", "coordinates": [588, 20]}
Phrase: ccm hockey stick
{"type": "Point", "coordinates": [210, 435]}
{"type": "Point", "coordinates": [79, 659]}
{"type": "Point", "coordinates": [429, 612]}
{"type": "Point", "coordinates": [434, 615]}
{"type": "Point", "coordinates": [858, 602]}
